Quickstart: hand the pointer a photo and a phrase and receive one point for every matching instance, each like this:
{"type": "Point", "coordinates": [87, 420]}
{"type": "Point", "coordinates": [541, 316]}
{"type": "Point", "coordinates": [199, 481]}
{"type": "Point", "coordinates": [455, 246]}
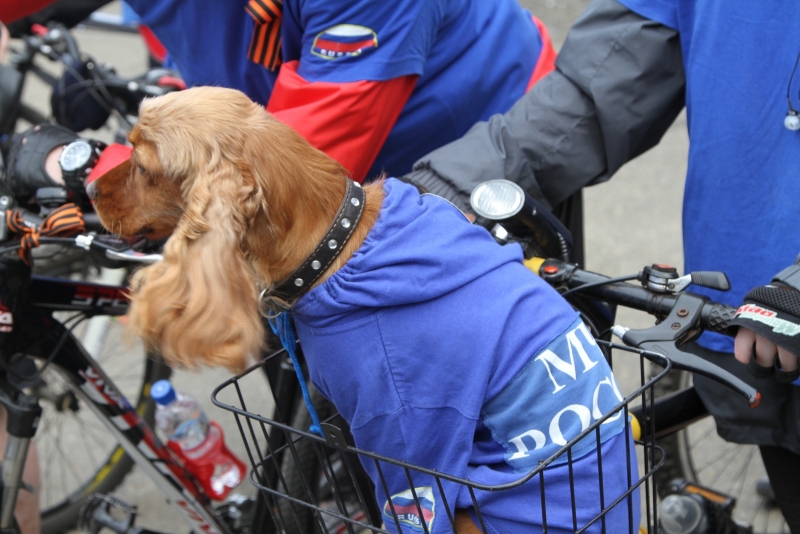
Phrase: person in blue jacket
{"type": "Point", "coordinates": [440, 348]}
{"type": "Point", "coordinates": [373, 84]}
{"type": "Point", "coordinates": [626, 70]}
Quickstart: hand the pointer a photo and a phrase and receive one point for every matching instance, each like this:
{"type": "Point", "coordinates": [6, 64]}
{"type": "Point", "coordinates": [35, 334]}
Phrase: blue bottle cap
{"type": "Point", "coordinates": [162, 392]}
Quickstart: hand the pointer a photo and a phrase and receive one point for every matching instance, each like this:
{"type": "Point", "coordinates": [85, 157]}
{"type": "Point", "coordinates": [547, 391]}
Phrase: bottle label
{"type": "Point", "coordinates": [206, 446]}
{"type": "Point", "coordinates": [214, 466]}
{"type": "Point", "coordinates": [191, 433]}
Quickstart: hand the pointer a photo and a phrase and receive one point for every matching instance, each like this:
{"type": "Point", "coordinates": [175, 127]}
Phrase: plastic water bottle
{"type": "Point", "coordinates": [199, 443]}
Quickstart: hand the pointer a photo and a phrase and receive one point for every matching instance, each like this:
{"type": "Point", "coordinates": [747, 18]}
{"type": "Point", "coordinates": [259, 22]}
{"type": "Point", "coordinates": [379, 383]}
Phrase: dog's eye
{"type": "Point", "coordinates": [141, 170]}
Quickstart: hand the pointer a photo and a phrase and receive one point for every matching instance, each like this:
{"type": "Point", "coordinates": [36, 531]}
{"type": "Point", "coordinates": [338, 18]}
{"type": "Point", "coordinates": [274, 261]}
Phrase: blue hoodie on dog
{"type": "Point", "coordinates": [441, 349]}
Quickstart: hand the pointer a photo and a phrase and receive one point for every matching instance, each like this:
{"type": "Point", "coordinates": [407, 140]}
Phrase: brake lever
{"type": "Point", "coordinates": [134, 256]}
{"type": "Point", "coordinates": [115, 249]}
{"type": "Point", "coordinates": [678, 328]}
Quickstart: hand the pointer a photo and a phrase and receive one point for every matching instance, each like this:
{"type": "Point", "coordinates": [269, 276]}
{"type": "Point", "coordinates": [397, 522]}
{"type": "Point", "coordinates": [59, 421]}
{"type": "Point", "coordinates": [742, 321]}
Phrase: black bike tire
{"type": "Point", "coordinates": [300, 519]}
{"type": "Point", "coordinates": [673, 466]}
{"type": "Point", "coordinates": [64, 515]}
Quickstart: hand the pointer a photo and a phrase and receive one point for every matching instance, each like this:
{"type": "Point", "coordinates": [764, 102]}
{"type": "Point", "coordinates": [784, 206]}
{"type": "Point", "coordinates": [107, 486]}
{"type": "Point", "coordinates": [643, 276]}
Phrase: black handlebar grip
{"type": "Point", "coordinates": [719, 317]}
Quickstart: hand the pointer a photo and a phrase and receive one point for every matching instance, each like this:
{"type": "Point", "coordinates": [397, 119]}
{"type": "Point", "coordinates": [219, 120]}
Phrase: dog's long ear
{"type": "Point", "coordinates": [200, 304]}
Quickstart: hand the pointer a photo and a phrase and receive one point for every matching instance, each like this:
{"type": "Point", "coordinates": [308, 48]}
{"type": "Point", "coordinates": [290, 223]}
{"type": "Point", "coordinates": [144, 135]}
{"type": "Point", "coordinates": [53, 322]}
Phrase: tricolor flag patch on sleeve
{"type": "Point", "coordinates": [408, 513]}
{"type": "Point", "coordinates": [344, 40]}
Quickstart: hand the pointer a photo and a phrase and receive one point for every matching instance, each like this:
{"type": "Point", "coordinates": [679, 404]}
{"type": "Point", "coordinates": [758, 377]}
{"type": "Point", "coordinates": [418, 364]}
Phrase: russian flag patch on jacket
{"type": "Point", "coordinates": [343, 40]}
{"type": "Point", "coordinates": [407, 510]}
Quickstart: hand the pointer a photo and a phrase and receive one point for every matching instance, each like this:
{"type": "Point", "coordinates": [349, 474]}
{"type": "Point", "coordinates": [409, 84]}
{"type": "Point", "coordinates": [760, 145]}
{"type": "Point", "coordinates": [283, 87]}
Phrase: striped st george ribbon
{"type": "Point", "coordinates": [64, 221]}
{"type": "Point", "coordinates": [265, 46]}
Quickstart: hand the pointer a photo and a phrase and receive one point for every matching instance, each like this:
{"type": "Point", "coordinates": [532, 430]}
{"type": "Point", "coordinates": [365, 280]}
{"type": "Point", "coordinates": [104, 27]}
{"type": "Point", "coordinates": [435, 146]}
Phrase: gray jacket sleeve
{"type": "Point", "coordinates": [618, 85]}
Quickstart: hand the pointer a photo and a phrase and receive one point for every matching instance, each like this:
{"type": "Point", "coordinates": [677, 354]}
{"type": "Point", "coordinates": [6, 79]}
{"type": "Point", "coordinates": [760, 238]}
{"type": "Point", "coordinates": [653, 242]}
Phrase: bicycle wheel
{"type": "Point", "coordinates": [699, 455]}
{"type": "Point", "coordinates": [300, 519]}
{"type": "Point", "coordinates": [77, 455]}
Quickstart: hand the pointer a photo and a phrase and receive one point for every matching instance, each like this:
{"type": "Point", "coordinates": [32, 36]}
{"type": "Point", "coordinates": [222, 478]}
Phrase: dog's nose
{"type": "Point", "coordinates": [91, 191]}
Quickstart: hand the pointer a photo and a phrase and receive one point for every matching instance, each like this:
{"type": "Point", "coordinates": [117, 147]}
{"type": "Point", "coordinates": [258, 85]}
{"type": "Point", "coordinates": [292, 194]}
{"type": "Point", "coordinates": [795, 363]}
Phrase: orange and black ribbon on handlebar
{"type": "Point", "coordinates": [64, 221]}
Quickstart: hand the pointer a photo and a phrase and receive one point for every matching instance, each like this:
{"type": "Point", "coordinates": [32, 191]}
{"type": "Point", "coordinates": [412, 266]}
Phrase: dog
{"type": "Point", "coordinates": [245, 200]}
{"type": "Point", "coordinates": [234, 221]}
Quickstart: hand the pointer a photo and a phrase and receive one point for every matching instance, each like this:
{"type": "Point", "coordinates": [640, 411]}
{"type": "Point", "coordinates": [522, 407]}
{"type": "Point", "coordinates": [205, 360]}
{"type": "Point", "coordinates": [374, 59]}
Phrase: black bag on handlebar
{"type": "Point", "coordinates": [76, 101]}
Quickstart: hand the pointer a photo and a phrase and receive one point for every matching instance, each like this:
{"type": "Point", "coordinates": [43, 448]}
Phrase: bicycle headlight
{"type": "Point", "coordinates": [497, 199]}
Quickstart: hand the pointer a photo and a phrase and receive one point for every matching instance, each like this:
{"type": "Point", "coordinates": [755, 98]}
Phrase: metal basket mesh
{"type": "Point", "coordinates": [314, 484]}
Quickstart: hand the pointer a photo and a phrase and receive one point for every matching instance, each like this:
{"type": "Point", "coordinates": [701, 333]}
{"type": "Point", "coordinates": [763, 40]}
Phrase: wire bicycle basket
{"type": "Point", "coordinates": [318, 484]}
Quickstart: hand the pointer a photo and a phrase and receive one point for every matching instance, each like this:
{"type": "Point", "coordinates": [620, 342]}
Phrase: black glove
{"type": "Point", "coordinates": [25, 172]}
{"type": "Point", "coordinates": [773, 312]}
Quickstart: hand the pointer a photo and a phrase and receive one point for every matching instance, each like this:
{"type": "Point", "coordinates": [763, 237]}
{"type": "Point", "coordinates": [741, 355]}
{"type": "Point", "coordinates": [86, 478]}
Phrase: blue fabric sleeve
{"type": "Point", "coordinates": [207, 42]}
{"type": "Point", "coordinates": [418, 433]}
{"type": "Point", "coordinates": [404, 31]}
{"type": "Point", "coordinates": [663, 11]}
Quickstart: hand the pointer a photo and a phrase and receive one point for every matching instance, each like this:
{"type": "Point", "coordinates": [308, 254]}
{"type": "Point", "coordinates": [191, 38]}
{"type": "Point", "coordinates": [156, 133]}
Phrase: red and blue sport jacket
{"type": "Point", "coordinates": [374, 84]}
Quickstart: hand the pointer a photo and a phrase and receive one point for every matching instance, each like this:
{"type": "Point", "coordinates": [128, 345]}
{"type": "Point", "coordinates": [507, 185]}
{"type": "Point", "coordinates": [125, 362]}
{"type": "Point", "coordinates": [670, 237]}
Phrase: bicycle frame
{"type": "Point", "coordinates": [42, 336]}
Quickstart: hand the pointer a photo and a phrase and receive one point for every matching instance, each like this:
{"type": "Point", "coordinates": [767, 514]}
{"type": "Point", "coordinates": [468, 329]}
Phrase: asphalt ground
{"type": "Point", "coordinates": [631, 221]}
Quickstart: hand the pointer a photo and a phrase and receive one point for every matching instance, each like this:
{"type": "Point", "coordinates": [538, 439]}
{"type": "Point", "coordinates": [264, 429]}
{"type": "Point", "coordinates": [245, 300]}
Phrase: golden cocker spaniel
{"type": "Point", "coordinates": [245, 199]}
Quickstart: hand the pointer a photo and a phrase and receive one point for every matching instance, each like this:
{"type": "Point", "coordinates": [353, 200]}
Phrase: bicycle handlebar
{"type": "Point", "coordinates": [59, 45]}
{"type": "Point", "coordinates": [684, 317]}
{"type": "Point", "coordinates": [714, 316]}
{"type": "Point", "coordinates": [115, 249]}
{"type": "Point", "coordinates": [108, 246]}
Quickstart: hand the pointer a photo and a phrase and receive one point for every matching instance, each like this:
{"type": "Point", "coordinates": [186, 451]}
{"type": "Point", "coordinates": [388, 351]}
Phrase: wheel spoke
{"type": "Point", "coordinates": [92, 457]}
{"type": "Point", "coordinates": [720, 458]}
{"type": "Point", "coordinates": [62, 471]}
{"type": "Point", "coordinates": [696, 441]}
{"type": "Point", "coordinates": [100, 441]}
{"type": "Point", "coordinates": [70, 465]}
{"type": "Point", "coordinates": [739, 479]}
{"type": "Point", "coordinates": [91, 422]}
{"type": "Point", "coordinates": [51, 453]}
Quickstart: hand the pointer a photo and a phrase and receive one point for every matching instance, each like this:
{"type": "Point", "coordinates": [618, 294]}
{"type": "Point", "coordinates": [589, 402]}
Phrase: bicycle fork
{"type": "Point", "coordinates": [23, 415]}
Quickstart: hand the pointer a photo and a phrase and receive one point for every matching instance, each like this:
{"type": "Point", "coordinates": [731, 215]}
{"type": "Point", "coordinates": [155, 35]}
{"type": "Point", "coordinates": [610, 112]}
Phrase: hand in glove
{"type": "Point", "coordinates": [769, 338]}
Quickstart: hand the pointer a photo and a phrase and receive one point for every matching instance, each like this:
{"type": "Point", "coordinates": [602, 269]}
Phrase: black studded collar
{"type": "Point", "coordinates": [326, 251]}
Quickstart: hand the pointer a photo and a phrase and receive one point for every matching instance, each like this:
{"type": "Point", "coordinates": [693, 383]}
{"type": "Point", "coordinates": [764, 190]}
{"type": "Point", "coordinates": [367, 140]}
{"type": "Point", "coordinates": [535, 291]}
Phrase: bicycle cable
{"type": "Point", "coordinates": [600, 283]}
{"type": "Point", "coordinates": [83, 84]}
